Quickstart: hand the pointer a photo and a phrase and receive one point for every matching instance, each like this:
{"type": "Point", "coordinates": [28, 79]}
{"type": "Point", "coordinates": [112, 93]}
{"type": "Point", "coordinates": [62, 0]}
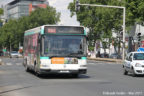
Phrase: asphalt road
{"type": "Point", "coordinates": [102, 79]}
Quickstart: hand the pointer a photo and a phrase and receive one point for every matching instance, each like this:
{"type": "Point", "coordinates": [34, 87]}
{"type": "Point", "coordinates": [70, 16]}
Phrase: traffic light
{"type": "Point", "coordinates": [139, 39]}
{"type": "Point", "coordinates": [139, 36]}
{"type": "Point", "coordinates": [77, 6]}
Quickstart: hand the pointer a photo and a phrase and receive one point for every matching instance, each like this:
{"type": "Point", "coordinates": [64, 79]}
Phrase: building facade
{"type": "Point", "coordinates": [19, 8]}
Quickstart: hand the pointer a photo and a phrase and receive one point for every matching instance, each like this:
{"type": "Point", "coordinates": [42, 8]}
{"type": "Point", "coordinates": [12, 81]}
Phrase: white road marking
{"type": "Point", "coordinates": [8, 63]}
{"type": "Point", "coordinates": [18, 64]}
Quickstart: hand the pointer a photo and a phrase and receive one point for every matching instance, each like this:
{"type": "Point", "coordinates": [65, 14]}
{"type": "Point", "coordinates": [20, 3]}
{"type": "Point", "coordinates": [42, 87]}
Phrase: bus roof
{"type": "Point", "coordinates": [40, 28]}
{"type": "Point", "coordinates": [52, 25]}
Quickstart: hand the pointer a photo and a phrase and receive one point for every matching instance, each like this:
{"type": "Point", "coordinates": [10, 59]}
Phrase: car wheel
{"type": "Point", "coordinates": [125, 72]}
{"type": "Point", "coordinates": [75, 75]}
{"type": "Point", "coordinates": [133, 73]}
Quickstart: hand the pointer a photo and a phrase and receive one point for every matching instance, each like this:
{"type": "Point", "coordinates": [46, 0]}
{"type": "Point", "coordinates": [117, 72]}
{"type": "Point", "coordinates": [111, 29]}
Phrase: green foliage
{"type": "Point", "coordinates": [100, 21]}
{"type": "Point", "coordinates": [1, 12]}
{"type": "Point", "coordinates": [91, 48]}
{"type": "Point", "coordinates": [135, 13]}
{"type": "Point", "coordinates": [12, 32]}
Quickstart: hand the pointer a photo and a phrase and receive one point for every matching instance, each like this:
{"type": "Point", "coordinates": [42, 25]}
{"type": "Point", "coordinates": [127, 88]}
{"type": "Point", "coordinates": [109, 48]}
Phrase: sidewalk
{"type": "Point", "coordinates": [106, 59]}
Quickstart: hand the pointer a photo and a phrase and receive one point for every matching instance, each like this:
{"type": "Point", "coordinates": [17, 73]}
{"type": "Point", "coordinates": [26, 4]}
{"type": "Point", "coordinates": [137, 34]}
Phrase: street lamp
{"type": "Point", "coordinates": [118, 7]}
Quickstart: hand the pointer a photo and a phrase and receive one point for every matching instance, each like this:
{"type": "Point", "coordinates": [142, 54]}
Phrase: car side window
{"type": "Point", "coordinates": [127, 57]}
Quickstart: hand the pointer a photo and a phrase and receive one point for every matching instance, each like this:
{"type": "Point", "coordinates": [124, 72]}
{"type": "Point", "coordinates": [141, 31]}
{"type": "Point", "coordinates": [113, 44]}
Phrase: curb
{"type": "Point", "coordinates": [106, 59]}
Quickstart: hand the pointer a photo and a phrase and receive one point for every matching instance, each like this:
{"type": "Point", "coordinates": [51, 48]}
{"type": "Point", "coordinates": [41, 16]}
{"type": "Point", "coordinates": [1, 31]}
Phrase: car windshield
{"type": "Point", "coordinates": [59, 45]}
{"type": "Point", "coordinates": [138, 56]}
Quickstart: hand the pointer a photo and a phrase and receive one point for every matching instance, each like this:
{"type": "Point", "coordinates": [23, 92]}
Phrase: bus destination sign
{"type": "Point", "coordinates": [64, 30]}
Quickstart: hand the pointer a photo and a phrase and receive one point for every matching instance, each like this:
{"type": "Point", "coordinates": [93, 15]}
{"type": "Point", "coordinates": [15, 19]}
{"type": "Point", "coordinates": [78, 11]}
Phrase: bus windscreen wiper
{"type": "Point", "coordinates": [74, 55]}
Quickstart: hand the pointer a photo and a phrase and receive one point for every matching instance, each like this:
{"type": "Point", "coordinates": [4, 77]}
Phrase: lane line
{"type": "Point", "coordinates": [9, 64]}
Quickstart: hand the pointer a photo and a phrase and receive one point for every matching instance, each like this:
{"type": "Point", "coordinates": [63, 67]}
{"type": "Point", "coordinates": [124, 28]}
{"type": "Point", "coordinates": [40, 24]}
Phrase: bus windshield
{"type": "Point", "coordinates": [64, 45]}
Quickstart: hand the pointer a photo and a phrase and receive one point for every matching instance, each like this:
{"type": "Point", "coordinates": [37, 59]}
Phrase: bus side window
{"type": "Point", "coordinates": [38, 48]}
{"type": "Point", "coordinates": [46, 46]}
{"type": "Point", "coordinates": [34, 43]}
{"type": "Point", "coordinates": [28, 45]}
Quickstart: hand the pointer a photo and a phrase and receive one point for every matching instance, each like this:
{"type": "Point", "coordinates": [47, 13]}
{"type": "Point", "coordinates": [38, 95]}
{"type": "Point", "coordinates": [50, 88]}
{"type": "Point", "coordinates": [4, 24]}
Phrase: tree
{"type": "Point", "coordinates": [46, 16]}
{"type": "Point", "coordinates": [100, 21]}
{"type": "Point", "coordinates": [12, 33]}
{"type": "Point", "coordinates": [103, 21]}
{"type": "Point", "coordinates": [135, 13]}
{"type": "Point", "coordinates": [1, 13]}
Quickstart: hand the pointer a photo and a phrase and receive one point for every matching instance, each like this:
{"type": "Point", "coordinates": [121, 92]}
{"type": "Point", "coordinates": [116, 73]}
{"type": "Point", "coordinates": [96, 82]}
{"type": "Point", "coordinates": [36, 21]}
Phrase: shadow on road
{"type": "Point", "coordinates": [131, 75]}
{"type": "Point", "coordinates": [63, 76]}
{"type": "Point", "coordinates": [59, 76]}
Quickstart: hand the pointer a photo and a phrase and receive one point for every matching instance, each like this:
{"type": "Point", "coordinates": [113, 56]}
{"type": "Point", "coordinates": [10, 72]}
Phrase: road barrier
{"type": "Point", "coordinates": [106, 59]}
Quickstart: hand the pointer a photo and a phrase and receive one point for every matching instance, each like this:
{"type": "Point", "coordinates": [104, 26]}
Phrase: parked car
{"type": "Point", "coordinates": [115, 56]}
{"type": "Point", "coordinates": [14, 54]}
{"type": "Point", "coordinates": [134, 63]}
{"type": "Point", "coordinates": [104, 55]}
{"type": "Point", "coordinates": [1, 53]}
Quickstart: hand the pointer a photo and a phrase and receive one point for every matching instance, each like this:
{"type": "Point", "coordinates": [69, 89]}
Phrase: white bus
{"type": "Point", "coordinates": [52, 49]}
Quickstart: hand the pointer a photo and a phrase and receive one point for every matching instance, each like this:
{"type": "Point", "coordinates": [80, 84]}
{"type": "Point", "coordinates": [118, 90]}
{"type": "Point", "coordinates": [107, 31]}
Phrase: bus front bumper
{"type": "Point", "coordinates": [49, 71]}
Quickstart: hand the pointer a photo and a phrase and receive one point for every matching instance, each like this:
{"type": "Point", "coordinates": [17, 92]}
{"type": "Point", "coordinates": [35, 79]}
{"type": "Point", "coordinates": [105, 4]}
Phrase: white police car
{"type": "Point", "coordinates": [134, 63]}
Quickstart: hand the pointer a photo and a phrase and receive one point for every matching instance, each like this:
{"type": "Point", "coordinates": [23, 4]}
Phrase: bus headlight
{"type": "Point", "coordinates": [44, 65]}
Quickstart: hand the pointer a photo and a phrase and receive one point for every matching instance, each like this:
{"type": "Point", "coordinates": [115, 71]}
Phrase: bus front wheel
{"type": "Point", "coordinates": [36, 71]}
{"type": "Point", "coordinates": [26, 68]}
{"type": "Point", "coordinates": [75, 75]}
{"type": "Point", "coordinates": [25, 65]}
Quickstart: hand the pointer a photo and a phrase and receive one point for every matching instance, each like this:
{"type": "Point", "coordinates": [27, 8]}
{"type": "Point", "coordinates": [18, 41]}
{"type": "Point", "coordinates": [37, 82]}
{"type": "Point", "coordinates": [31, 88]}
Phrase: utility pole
{"type": "Point", "coordinates": [77, 4]}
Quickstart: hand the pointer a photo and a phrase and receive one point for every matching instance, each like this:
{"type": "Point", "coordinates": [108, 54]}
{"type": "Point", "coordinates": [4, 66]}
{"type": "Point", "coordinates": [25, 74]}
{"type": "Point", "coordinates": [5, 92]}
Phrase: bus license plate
{"type": "Point", "coordinates": [64, 71]}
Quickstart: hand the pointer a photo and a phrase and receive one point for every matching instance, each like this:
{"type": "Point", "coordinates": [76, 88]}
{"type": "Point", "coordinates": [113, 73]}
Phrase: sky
{"type": "Point", "coordinates": [61, 6]}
